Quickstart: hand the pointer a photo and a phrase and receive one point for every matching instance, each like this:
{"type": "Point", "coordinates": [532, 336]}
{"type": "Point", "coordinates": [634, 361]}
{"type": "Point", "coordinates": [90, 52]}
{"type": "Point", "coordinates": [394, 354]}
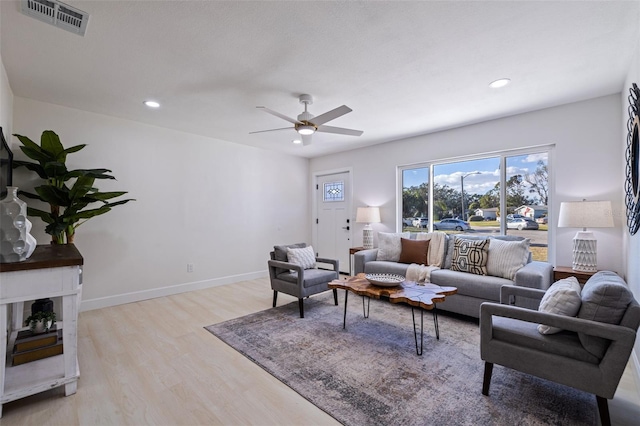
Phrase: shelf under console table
{"type": "Point", "coordinates": [51, 271]}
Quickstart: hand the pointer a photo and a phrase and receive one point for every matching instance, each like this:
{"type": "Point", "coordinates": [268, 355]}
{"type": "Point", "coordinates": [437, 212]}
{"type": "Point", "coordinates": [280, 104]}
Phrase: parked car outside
{"type": "Point", "coordinates": [522, 223]}
{"type": "Point", "coordinates": [407, 221]}
{"type": "Point", "coordinates": [543, 220]}
{"type": "Point", "coordinates": [512, 216]}
{"type": "Point", "coordinates": [420, 222]}
{"type": "Point", "coordinates": [452, 224]}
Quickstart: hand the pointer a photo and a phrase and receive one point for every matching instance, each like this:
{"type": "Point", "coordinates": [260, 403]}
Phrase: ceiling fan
{"type": "Point", "coordinates": [306, 124]}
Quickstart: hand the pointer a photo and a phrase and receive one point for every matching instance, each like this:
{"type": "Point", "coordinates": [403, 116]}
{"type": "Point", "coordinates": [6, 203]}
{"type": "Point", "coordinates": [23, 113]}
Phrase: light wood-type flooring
{"type": "Point", "coordinates": [153, 363]}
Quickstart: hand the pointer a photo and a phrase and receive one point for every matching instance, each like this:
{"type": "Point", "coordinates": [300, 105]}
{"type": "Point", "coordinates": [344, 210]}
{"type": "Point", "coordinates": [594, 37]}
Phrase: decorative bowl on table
{"type": "Point", "coordinates": [385, 280]}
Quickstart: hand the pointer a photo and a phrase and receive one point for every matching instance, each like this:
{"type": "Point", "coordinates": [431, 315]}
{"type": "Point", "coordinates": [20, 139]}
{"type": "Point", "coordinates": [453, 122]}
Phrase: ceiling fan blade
{"type": "Point", "coordinates": [272, 130]}
{"type": "Point", "coordinates": [277, 114]}
{"type": "Point", "coordinates": [331, 115]}
{"type": "Point", "coordinates": [306, 140]}
{"type": "Point", "coordinates": [339, 130]}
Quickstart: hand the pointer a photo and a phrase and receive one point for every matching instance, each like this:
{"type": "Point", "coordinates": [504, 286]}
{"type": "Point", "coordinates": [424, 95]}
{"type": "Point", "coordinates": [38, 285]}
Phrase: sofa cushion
{"type": "Point", "coordinates": [451, 238]}
{"type": "Point", "coordinates": [525, 334]}
{"type": "Point", "coordinates": [470, 256]}
{"type": "Point", "coordinates": [481, 286]}
{"type": "Point", "coordinates": [507, 257]}
{"type": "Point", "coordinates": [312, 277]}
{"type": "Point", "coordinates": [562, 298]}
{"type": "Point", "coordinates": [385, 267]}
{"type": "Point", "coordinates": [414, 251]}
{"type": "Point", "coordinates": [304, 257]}
{"type": "Point", "coordinates": [389, 245]}
{"type": "Point", "coordinates": [605, 298]}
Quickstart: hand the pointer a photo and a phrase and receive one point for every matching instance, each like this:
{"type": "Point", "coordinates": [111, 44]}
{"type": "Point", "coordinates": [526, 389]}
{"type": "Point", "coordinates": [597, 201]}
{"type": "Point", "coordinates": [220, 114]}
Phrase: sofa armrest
{"type": "Point", "coordinates": [334, 262]}
{"type": "Point", "coordinates": [361, 257]}
{"type": "Point", "coordinates": [510, 293]}
{"type": "Point", "coordinates": [535, 275]}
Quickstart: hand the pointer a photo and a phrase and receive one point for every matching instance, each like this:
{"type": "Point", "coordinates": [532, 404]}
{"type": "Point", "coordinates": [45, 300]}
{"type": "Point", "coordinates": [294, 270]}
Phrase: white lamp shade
{"type": "Point", "coordinates": [368, 215]}
{"type": "Point", "coordinates": [585, 214]}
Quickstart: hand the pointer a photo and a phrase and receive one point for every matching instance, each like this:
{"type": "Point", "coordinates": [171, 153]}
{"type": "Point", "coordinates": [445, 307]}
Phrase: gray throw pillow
{"type": "Point", "coordinates": [280, 252]}
{"type": "Point", "coordinates": [605, 298]}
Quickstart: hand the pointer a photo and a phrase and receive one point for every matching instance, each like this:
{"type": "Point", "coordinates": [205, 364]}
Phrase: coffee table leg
{"type": "Point", "coordinates": [435, 321]}
{"type": "Point", "coordinates": [344, 321]}
{"type": "Point", "coordinates": [365, 313]}
{"type": "Point", "coordinates": [415, 334]}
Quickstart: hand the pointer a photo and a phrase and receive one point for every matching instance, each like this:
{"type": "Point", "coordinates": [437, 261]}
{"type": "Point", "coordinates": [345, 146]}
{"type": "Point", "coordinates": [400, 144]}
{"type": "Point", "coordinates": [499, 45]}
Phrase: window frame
{"type": "Point", "coordinates": [503, 156]}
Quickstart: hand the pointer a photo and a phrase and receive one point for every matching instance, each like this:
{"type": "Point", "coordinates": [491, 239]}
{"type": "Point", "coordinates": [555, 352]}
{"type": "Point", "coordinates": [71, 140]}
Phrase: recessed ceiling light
{"type": "Point", "coordinates": [297, 141]}
{"type": "Point", "coordinates": [152, 104]}
{"type": "Point", "coordinates": [499, 83]}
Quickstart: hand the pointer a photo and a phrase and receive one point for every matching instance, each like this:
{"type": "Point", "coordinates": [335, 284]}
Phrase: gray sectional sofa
{"type": "Point", "coordinates": [473, 289]}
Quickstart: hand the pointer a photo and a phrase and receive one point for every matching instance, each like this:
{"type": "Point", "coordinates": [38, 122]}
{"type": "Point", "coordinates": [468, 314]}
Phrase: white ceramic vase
{"type": "Point", "coordinates": [16, 244]}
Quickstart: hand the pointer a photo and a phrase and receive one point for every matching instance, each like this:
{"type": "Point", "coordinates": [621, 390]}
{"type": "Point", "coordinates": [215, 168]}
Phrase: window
{"type": "Point", "coordinates": [415, 198]}
{"type": "Point", "coordinates": [333, 191]}
{"type": "Point", "coordinates": [471, 192]}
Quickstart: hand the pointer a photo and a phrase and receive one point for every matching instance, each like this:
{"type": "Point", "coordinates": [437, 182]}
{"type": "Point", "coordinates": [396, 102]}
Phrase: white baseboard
{"type": "Point", "coordinates": [120, 299]}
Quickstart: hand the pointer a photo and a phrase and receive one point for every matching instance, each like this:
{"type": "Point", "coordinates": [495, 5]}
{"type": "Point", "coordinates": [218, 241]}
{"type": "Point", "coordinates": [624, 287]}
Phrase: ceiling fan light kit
{"type": "Point", "coordinates": [306, 124]}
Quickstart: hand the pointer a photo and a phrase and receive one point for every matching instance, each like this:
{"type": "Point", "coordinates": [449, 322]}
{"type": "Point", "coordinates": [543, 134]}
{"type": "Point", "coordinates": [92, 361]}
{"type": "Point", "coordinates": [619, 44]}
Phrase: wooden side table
{"type": "Point", "coordinates": [52, 271]}
{"type": "Point", "coordinates": [352, 251]}
{"type": "Point", "coordinates": [561, 272]}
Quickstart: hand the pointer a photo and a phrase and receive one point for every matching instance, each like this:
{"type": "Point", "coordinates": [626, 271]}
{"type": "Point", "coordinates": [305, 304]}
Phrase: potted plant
{"type": "Point", "coordinates": [68, 192]}
{"type": "Point", "coordinates": [40, 322]}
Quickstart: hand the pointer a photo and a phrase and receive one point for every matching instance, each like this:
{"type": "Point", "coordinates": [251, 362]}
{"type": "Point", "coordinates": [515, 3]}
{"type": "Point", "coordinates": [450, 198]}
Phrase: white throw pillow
{"type": "Point", "coordinates": [390, 245]}
{"type": "Point", "coordinates": [303, 257]}
{"type": "Point", "coordinates": [506, 257]}
{"type": "Point", "coordinates": [562, 298]}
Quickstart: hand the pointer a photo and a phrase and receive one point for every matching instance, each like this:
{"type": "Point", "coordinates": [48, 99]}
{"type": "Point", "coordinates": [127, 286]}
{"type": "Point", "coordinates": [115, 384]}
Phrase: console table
{"type": "Point", "coordinates": [52, 271]}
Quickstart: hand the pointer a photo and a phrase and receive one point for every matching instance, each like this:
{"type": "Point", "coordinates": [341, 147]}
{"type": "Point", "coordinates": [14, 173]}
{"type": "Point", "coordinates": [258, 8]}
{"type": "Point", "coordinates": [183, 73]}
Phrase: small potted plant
{"type": "Point", "coordinates": [40, 322]}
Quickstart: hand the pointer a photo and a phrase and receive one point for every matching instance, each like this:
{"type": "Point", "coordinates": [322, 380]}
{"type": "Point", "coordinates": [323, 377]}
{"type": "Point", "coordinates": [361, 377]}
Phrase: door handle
{"type": "Point", "coordinates": [345, 227]}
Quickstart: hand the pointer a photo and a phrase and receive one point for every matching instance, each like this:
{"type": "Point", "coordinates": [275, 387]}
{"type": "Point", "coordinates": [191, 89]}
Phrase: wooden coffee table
{"type": "Point", "coordinates": [422, 296]}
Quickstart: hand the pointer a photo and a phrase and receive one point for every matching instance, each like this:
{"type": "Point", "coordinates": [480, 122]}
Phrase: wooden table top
{"type": "Point", "coordinates": [414, 294]}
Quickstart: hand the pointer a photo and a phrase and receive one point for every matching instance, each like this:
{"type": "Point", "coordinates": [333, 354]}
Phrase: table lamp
{"type": "Point", "coordinates": [367, 215]}
{"type": "Point", "coordinates": [585, 214]}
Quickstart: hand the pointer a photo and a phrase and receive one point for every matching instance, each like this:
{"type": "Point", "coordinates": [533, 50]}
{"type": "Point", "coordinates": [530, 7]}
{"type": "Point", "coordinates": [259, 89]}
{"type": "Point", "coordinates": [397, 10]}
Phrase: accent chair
{"type": "Point", "coordinates": [589, 352]}
{"type": "Point", "coordinates": [296, 280]}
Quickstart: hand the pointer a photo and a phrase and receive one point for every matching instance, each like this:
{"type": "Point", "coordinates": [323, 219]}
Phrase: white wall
{"type": "Point", "coordinates": [218, 205]}
{"type": "Point", "coordinates": [585, 164]}
{"type": "Point", "coordinates": [631, 243]}
{"type": "Point", "coordinates": [6, 100]}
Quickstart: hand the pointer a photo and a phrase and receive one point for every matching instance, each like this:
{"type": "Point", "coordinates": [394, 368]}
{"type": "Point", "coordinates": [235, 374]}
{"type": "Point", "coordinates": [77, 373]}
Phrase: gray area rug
{"type": "Point", "coordinates": [369, 374]}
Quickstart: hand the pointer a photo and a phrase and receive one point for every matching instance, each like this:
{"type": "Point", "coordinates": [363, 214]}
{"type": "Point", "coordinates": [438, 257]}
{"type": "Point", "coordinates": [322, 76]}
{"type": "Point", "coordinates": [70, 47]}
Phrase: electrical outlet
{"type": "Point", "coordinates": [189, 267]}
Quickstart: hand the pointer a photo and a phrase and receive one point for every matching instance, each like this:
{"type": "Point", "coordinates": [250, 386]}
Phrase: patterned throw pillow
{"type": "Point", "coordinates": [414, 251]}
{"type": "Point", "coordinates": [303, 257]}
{"type": "Point", "coordinates": [562, 298]}
{"type": "Point", "coordinates": [470, 256]}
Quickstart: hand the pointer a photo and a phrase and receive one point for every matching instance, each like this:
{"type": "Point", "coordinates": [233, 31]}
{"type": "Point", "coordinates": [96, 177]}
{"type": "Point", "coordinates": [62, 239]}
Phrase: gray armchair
{"type": "Point", "coordinates": [510, 337]}
{"type": "Point", "coordinates": [295, 281]}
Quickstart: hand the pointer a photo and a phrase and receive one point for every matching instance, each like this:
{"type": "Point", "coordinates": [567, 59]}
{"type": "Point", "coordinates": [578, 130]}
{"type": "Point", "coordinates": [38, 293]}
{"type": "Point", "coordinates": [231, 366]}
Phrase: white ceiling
{"type": "Point", "coordinates": [405, 68]}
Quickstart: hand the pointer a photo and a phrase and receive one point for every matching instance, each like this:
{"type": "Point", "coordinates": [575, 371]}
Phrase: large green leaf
{"type": "Point", "coordinates": [96, 173]}
{"type": "Point", "coordinates": [63, 155]}
{"type": "Point", "coordinates": [34, 167]}
{"type": "Point", "coordinates": [81, 186]}
{"type": "Point", "coordinates": [45, 216]}
{"type": "Point", "coordinates": [37, 154]}
{"type": "Point", "coordinates": [27, 142]}
{"type": "Point", "coordinates": [87, 214]}
{"type": "Point", "coordinates": [30, 195]}
{"type": "Point", "coordinates": [53, 195]}
{"type": "Point", "coordinates": [55, 169]}
{"type": "Point", "coordinates": [101, 196]}
{"type": "Point", "coordinates": [50, 142]}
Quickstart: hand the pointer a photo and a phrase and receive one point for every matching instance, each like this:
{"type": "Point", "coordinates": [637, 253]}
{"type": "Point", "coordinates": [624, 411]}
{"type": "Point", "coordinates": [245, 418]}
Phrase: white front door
{"type": "Point", "coordinates": [333, 217]}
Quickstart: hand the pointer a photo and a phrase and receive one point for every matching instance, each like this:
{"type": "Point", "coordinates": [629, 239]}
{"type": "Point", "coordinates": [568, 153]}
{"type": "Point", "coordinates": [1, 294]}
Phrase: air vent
{"type": "Point", "coordinates": [57, 14]}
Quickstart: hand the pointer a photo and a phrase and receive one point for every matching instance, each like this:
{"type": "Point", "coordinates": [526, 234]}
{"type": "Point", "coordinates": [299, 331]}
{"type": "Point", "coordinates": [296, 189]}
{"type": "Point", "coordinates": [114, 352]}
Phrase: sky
{"type": "Point", "coordinates": [488, 168]}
